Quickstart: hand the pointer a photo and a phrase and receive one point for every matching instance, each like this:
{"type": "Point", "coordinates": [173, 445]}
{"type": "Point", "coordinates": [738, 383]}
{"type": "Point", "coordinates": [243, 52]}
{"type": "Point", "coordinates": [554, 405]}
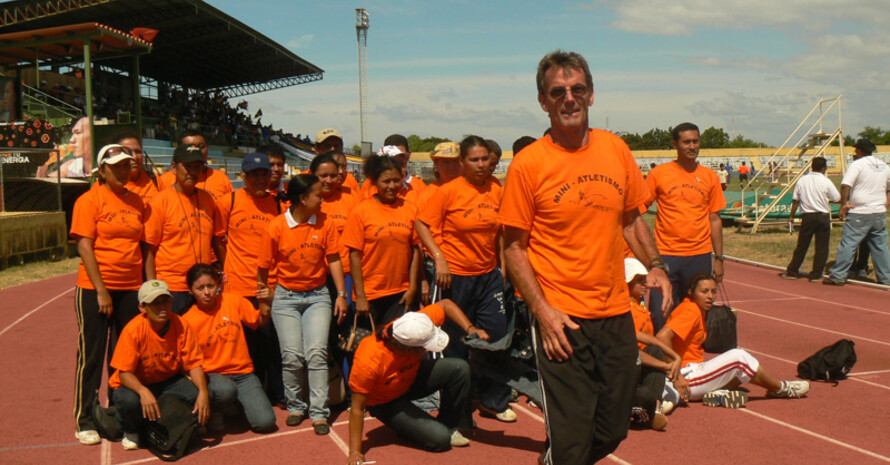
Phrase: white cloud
{"type": "Point", "coordinates": [299, 42]}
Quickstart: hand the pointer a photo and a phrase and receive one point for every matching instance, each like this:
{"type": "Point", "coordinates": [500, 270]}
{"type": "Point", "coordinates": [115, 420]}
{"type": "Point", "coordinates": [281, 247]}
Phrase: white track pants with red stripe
{"type": "Point", "coordinates": [719, 371]}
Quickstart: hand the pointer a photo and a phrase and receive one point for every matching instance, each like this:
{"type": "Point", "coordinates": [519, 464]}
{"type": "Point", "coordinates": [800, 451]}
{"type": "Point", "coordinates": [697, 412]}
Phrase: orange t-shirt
{"type": "Point", "coordinates": [382, 374]}
{"type": "Point", "coordinates": [181, 227]}
{"type": "Point", "coordinates": [467, 216]}
{"type": "Point", "coordinates": [215, 182]}
{"type": "Point", "coordinates": [219, 334]}
{"type": "Point", "coordinates": [245, 225]}
{"type": "Point", "coordinates": [152, 358]}
{"type": "Point", "coordinates": [115, 225]}
{"type": "Point", "coordinates": [144, 187]}
{"type": "Point", "coordinates": [299, 251]}
{"type": "Point", "coordinates": [351, 183]}
{"type": "Point", "coordinates": [337, 208]}
{"type": "Point", "coordinates": [743, 169]}
{"type": "Point", "coordinates": [642, 320]}
{"type": "Point", "coordinates": [384, 234]}
{"type": "Point", "coordinates": [685, 201]}
{"type": "Point", "coordinates": [687, 323]}
{"type": "Point", "coordinates": [422, 200]}
{"type": "Point", "coordinates": [572, 204]}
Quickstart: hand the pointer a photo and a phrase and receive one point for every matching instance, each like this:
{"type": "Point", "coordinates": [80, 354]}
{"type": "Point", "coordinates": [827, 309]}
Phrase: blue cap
{"type": "Point", "coordinates": [255, 161]}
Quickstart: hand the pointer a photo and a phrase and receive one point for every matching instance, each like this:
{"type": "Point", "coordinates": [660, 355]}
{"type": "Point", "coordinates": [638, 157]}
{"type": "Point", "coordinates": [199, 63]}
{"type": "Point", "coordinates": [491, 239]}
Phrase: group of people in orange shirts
{"type": "Point", "coordinates": [297, 259]}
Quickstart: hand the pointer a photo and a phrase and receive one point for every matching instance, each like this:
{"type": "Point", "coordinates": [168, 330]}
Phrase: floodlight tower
{"type": "Point", "coordinates": [361, 33]}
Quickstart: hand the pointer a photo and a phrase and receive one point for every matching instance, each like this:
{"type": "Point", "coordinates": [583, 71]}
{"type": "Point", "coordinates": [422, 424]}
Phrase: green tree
{"type": "Point", "coordinates": [741, 142]}
{"type": "Point", "coordinates": [714, 138]}
{"type": "Point", "coordinates": [877, 135]}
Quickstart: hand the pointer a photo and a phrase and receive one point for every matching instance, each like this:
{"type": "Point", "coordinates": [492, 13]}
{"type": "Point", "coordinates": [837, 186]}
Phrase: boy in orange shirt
{"type": "Point", "coordinates": [153, 352]}
{"type": "Point", "coordinates": [390, 370]}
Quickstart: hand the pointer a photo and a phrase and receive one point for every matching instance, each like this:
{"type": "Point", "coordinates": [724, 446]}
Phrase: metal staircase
{"type": "Point", "coordinates": [40, 105]}
{"type": "Point", "coordinates": [777, 176]}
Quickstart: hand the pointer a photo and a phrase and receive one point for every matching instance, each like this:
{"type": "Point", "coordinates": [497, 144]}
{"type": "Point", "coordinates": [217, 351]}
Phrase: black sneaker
{"type": "Point", "coordinates": [321, 429]}
{"type": "Point", "coordinates": [786, 275]}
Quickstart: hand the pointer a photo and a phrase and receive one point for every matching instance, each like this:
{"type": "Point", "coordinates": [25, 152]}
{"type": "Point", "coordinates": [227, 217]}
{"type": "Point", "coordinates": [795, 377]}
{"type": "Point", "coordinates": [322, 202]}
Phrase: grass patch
{"type": "Point", "coordinates": [30, 272]}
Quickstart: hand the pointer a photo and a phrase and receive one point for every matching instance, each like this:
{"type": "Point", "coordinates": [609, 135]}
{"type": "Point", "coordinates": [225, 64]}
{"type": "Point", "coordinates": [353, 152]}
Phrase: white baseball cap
{"type": "Point", "coordinates": [633, 267]}
{"type": "Point", "coordinates": [416, 329]}
{"type": "Point", "coordinates": [112, 154]}
{"type": "Point", "coordinates": [389, 151]}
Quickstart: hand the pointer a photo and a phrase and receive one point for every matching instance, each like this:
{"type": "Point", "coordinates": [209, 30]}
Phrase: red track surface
{"type": "Point", "coordinates": [780, 322]}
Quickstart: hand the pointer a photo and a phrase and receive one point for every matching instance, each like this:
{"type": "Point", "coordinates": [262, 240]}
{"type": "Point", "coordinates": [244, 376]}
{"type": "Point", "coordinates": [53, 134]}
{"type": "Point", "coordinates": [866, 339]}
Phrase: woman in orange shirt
{"type": "Point", "coordinates": [466, 256]}
{"type": "Point", "coordinates": [715, 382]}
{"type": "Point", "coordinates": [217, 322]}
{"type": "Point", "coordinates": [297, 243]}
{"type": "Point", "coordinates": [107, 225]}
{"type": "Point", "coordinates": [391, 370]}
{"type": "Point", "coordinates": [142, 182]}
{"type": "Point", "coordinates": [384, 261]}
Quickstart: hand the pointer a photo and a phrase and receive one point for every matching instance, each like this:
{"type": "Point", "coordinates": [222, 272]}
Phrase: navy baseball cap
{"type": "Point", "coordinates": [255, 161]}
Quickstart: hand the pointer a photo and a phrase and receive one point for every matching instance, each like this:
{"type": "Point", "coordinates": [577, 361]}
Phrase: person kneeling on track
{"type": "Point", "coordinates": [217, 323]}
{"type": "Point", "coordinates": [154, 349]}
{"type": "Point", "coordinates": [390, 370]}
{"type": "Point", "coordinates": [715, 382]}
{"type": "Point", "coordinates": [659, 361]}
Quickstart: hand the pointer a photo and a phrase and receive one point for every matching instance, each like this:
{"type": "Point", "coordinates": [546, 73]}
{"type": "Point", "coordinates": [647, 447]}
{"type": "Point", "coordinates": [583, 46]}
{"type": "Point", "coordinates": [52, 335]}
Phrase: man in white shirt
{"type": "Point", "coordinates": [864, 193]}
{"type": "Point", "coordinates": [723, 175]}
{"type": "Point", "coordinates": [812, 194]}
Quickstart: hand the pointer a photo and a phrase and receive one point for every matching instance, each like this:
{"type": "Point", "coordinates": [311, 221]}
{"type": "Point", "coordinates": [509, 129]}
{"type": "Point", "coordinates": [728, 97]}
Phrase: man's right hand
{"type": "Point", "coordinates": [553, 324]}
{"type": "Point", "coordinates": [150, 409]}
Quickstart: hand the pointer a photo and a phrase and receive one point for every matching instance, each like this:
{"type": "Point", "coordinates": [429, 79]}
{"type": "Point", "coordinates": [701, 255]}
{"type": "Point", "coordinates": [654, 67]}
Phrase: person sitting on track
{"type": "Point", "coordinates": [154, 350]}
{"type": "Point", "coordinates": [715, 382]}
{"type": "Point", "coordinates": [659, 361]}
{"type": "Point", "coordinates": [217, 320]}
{"type": "Point", "coordinates": [390, 371]}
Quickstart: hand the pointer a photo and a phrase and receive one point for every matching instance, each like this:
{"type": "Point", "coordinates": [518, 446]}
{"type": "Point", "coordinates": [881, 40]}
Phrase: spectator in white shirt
{"type": "Point", "coordinates": [812, 194]}
{"type": "Point", "coordinates": [864, 193]}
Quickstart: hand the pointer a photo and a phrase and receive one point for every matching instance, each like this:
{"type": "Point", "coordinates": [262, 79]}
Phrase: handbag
{"type": "Point", "coordinates": [720, 322]}
{"type": "Point", "coordinates": [350, 343]}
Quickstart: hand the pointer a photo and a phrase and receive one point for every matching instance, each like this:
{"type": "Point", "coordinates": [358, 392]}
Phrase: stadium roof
{"type": "Point", "coordinates": [197, 46]}
{"type": "Point", "coordinates": [64, 44]}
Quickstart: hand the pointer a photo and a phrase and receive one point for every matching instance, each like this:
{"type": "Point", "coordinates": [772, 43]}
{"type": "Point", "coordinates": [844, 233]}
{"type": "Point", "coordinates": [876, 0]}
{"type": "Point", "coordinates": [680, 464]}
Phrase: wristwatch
{"type": "Point", "coordinates": [341, 294]}
{"type": "Point", "coordinates": [719, 257]}
{"type": "Point", "coordinates": [659, 263]}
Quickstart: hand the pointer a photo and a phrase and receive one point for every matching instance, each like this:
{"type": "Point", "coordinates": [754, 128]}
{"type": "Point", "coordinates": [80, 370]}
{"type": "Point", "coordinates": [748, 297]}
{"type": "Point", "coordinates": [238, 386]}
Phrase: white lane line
{"type": "Point", "coordinates": [105, 452]}
{"type": "Point", "coordinates": [795, 364]}
{"type": "Point", "coordinates": [541, 420]}
{"type": "Point", "coordinates": [26, 315]}
{"type": "Point", "coordinates": [817, 435]}
{"type": "Point", "coordinates": [864, 373]}
{"type": "Point", "coordinates": [734, 301]}
{"type": "Point", "coordinates": [339, 442]}
{"type": "Point", "coordinates": [846, 335]}
{"type": "Point", "coordinates": [243, 441]}
{"type": "Point", "coordinates": [839, 304]}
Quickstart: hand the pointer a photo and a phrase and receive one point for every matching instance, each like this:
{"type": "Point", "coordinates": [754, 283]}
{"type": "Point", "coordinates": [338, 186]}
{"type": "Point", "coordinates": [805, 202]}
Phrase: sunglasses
{"type": "Point", "coordinates": [114, 151]}
{"type": "Point", "coordinates": [579, 92]}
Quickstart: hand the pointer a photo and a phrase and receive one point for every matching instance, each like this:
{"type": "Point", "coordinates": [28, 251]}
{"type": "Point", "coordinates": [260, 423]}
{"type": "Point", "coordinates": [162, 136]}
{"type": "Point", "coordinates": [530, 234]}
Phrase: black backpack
{"type": "Point", "coordinates": [720, 322]}
{"type": "Point", "coordinates": [830, 363]}
{"type": "Point", "coordinates": [170, 436]}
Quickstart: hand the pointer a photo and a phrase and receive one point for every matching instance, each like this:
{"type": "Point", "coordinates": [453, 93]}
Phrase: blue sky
{"type": "Point", "coordinates": [451, 68]}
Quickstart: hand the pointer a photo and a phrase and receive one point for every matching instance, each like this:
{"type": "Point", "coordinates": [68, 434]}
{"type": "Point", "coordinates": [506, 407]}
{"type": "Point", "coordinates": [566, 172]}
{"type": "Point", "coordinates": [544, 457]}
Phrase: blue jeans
{"type": "Point", "coordinates": [249, 391]}
{"type": "Point", "coordinates": [303, 320]}
{"type": "Point", "coordinates": [682, 268]}
{"type": "Point", "coordinates": [869, 229]}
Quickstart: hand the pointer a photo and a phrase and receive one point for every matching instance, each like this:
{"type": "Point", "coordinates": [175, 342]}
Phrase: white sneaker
{"type": "Point", "coordinates": [507, 416]}
{"type": "Point", "coordinates": [459, 440]}
{"type": "Point", "coordinates": [791, 389]}
{"type": "Point", "coordinates": [667, 407]}
{"type": "Point", "coordinates": [130, 441]}
{"type": "Point", "coordinates": [725, 398]}
{"type": "Point", "coordinates": [89, 437]}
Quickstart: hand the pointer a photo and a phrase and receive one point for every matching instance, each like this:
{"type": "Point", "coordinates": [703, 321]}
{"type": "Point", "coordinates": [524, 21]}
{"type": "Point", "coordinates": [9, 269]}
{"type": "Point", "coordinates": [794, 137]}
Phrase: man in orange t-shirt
{"type": "Point", "coordinates": [743, 174]}
{"type": "Point", "coordinates": [570, 202]}
{"type": "Point", "coordinates": [390, 370]}
{"type": "Point", "coordinates": [155, 349]}
{"type": "Point", "coordinates": [215, 182]}
{"type": "Point", "coordinates": [688, 227]}
{"type": "Point", "coordinates": [182, 227]}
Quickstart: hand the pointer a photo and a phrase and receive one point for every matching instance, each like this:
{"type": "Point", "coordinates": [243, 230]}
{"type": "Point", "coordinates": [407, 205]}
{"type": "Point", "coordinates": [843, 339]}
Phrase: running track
{"type": "Point", "coordinates": [780, 322]}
